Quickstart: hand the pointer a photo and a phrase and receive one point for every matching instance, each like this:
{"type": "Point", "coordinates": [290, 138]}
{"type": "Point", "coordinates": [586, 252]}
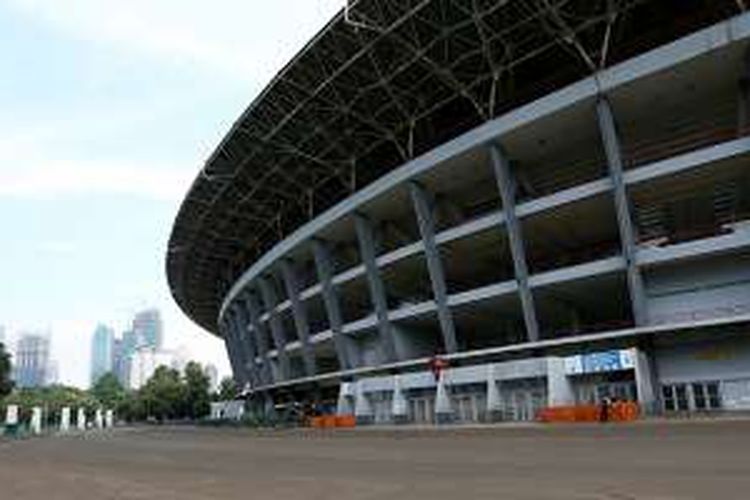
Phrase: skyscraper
{"type": "Point", "coordinates": [213, 376]}
{"type": "Point", "coordinates": [102, 352]}
{"type": "Point", "coordinates": [148, 329]}
{"type": "Point", "coordinates": [143, 363]}
{"type": "Point", "coordinates": [32, 360]}
{"type": "Point", "coordinates": [119, 361]}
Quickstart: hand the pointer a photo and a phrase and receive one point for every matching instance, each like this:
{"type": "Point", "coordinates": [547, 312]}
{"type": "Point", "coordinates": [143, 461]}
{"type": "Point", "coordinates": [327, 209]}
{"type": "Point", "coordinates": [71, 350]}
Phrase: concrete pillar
{"type": "Point", "coordinates": [36, 421]}
{"type": "Point", "coordinates": [345, 348]}
{"type": "Point", "coordinates": [362, 407]}
{"type": "Point", "coordinates": [366, 238]}
{"type": "Point", "coordinates": [300, 316]}
{"type": "Point", "coordinates": [238, 349]}
{"type": "Point", "coordinates": [65, 419]}
{"type": "Point", "coordinates": [646, 382]}
{"type": "Point", "coordinates": [426, 221]}
{"type": "Point", "coordinates": [247, 344]}
{"type": "Point", "coordinates": [399, 409]}
{"type": "Point", "coordinates": [443, 406]}
{"type": "Point", "coordinates": [743, 120]}
{"type": "Point", "coordinates": [269, 407]}
{"type": "Point", "coordinates": [507, 186]}
{"type": "Point", "coordinates": [235, 342]}
{"type": "Point", "coordinates": [81, 419]}
{"type": "Point", "coordinates": [559, 388]}
{"type": "Point", "coordinates": [109, 419]}
{"type": "Point", "coordinates": [259, 334]}
{"type": "Point", "coordinates": [225, 330]}
{"type": "Point", "coordinates": [99, 419]}
{"type": "Point", "coordinates": [346, 395]}
{"type": "Point", "coordinates": [270, 301]}
{"type": "Point", "coordinates": [11, 415]}
{"type": "Point", "coordinates": [611, 141]}
{"type": "Point", "coordinates": [494, 401]}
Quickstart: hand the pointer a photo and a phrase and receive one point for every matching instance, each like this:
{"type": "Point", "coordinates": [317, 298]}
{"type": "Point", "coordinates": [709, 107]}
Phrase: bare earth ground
{"type": "Point", "coordinates": [708, 460]}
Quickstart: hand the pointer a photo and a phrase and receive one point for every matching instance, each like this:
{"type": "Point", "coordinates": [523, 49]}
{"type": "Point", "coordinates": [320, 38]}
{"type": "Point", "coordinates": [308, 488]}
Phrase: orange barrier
{"type": "Point", "coordinates": [346, 421]}
{"type": "Point", "coordinates": [617, 412]}
{"type": "Point", "coordinates": [332, 421]}
{"type": "Point", "coordinates": [316, 422]}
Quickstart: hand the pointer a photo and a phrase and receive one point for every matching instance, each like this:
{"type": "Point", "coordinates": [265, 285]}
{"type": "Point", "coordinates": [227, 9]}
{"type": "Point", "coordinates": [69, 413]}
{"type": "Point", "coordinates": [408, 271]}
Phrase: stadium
{"type": "Point", "coordinates": [551, 195]}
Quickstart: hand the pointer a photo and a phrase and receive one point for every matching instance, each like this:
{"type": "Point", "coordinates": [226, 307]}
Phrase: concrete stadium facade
{"type": "Point", "coordinates": [591, 242]}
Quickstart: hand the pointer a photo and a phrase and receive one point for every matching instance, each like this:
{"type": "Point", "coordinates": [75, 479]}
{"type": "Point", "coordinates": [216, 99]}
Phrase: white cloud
{"type": "Point", "coordinates": [59, 247]}
{"type": "Point", "coordinates": [221, 35]}
{"type": "Point", "coordinates": [59, 179]}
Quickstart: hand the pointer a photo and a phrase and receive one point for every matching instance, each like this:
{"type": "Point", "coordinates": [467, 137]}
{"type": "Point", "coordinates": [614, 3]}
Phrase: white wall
{"type": "Point", "coordinates": [721, 359]}
{"type": "Point", "coordinates": [719, 287]}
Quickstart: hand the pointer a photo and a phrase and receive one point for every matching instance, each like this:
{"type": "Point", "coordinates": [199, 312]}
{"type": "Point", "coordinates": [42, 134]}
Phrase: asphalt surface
{"type": "Point", "coordinates": [708, 460]}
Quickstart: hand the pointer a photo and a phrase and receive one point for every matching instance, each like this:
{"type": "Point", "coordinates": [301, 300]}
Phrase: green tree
{"type": "Point", "coordinates": [227, 389]}
{"type": "Point", "coordinates": [108, 391]}
{"type": "Point", "coordinates": [197, 387]}
{"type": "Point", "coordinates": [6, 384]}
{"type": "Point", "coordinates": [163, 396]}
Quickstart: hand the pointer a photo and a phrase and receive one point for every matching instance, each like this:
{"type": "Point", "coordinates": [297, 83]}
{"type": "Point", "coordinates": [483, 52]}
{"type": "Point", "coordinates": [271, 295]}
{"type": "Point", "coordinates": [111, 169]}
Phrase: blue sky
{"type": "Point", "coordinates": [108, 109]}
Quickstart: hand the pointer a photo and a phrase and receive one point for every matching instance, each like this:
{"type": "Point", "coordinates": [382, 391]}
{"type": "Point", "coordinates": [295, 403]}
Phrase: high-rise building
{"type": "Point", "coordinates": [148, 329]}
{"type": "Point", "coordinates": [102, 352]}
{"type": "Point", "coordinates": [119, 361]}
{"type": "Point", "coordinates": [180, 358]}
{"type": "Point", "coordinates": [31, 366]}
{"type": "Point", "coordinates": [143, 363]}
{"type": "Point", "coordinates": [213, 377]}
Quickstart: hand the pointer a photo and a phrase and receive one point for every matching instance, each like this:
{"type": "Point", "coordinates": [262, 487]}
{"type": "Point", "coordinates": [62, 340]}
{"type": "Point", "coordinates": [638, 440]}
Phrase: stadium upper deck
{"type": "Point", "coordinates": [362, 99]}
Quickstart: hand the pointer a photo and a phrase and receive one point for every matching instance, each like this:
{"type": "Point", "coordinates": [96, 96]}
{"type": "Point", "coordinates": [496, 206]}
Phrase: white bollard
{"type": "Point", "coordinates": [81, 420]}
{"type": "Point", "coordinates": [109, 419]}
{"type": "Point", "coordinates": [65, 419]}
{"type": "Point", "coordinates": [11, 415]}
{"type": "Point", "coordinates": [399, 409]}
{"type": "Point", "coordinates": [99, 419]}
{"type": "Point", "coordinates": [443, 409]}
{"type": "Point", "coordinates": [36, 420]}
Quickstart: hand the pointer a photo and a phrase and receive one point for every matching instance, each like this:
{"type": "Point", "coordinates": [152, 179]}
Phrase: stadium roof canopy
{"type": "Point", "coordinates": [375, 88]}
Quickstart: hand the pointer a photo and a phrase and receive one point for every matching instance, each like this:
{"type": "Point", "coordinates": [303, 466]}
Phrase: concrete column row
{"type": "Point", "coordinates": [346, 349]}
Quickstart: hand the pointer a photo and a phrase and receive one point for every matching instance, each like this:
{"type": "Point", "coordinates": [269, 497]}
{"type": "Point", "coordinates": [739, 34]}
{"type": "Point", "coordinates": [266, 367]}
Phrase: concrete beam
{"type": "Point", "coordinates": [249, 344]}
{"type": "Point", "coordinates": [243, 359]}
{"type": "Point", "coordinates": [300, 316]}
{"type": "Point", "coordinates": [507, 186]}
{"type": "Point", "coordinates": [611, 142]}
{"type": "Point", "coordinates": [345, 351]}
{"type": "Point", "coordinates": [226, 333]}
{"type": "Point", "coordinates": [366, 238]}
{"type": "Point", "coordinates": [259, 333]}
{"type": "Point", "coordinates": [426, 222]}
{"type": "Point", "coordinates": [270, 300]}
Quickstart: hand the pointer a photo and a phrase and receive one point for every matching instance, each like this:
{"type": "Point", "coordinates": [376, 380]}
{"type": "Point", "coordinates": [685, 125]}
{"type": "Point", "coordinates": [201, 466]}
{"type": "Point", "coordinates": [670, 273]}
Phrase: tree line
{"type": "Point", "coordinates": [168, 395]}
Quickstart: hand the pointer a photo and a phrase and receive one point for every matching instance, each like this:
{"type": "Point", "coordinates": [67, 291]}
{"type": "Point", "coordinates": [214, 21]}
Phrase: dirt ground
{"type": "Point", "coordinates": [708, 460]}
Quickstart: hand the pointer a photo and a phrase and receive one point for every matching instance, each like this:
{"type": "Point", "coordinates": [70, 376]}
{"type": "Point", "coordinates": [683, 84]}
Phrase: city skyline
{"type": "Point", "coordinates": [110, 342]}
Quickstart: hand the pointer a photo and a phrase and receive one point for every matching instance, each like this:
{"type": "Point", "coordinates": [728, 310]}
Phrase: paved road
{"type": "Point", "coordinates": [643, 461]}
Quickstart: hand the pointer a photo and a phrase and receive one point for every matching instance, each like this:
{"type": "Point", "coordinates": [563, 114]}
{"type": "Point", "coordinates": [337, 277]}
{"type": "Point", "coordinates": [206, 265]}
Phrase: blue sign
{"type": "Point", "coordinates": [599, 362]}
